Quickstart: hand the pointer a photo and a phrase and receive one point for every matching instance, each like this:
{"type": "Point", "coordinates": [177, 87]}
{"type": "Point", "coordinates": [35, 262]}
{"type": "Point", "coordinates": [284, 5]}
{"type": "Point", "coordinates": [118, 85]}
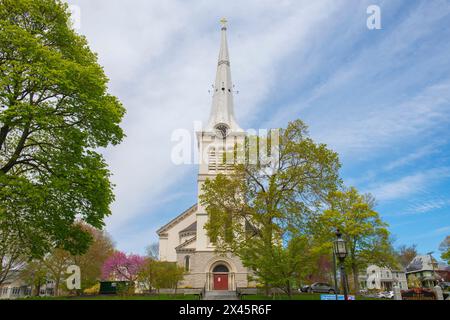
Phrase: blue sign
{"type": "Point", "coordinates": [327, 297]}
{"type": "Point", "coordinates": [335, 297]}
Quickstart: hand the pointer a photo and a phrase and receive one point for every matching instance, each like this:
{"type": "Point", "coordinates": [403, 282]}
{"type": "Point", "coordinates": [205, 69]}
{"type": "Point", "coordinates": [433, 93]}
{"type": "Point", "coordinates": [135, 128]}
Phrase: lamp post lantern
{"type": "Point", "coordinates": [340, 250]}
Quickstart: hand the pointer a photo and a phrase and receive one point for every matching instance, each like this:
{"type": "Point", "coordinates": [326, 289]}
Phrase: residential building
{"type": "Point", "coordinates": [427, 270]}
{"type": "Point", "coordinates": [383, 279]}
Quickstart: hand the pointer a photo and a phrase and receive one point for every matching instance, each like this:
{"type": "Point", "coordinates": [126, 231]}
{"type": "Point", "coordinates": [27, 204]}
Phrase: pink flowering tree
{"type": "Point", "coordinates": [122, 267]}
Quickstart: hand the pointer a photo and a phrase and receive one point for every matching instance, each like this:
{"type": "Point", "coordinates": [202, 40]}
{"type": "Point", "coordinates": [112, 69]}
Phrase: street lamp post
{"type": "Point", "coordinates": [340, 250]}
{"type": "Point", "coordinates": [335, 275]}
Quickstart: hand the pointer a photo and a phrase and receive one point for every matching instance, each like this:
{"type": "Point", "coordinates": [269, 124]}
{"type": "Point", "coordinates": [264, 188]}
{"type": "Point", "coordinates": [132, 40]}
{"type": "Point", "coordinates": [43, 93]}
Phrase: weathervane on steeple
{"type": "Point", "coordinates": [223, 21]}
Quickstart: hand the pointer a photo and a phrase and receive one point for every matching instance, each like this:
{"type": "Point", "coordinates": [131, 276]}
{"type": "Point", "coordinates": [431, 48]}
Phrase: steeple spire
{"type": "Point", "coordinates": [222, 110]}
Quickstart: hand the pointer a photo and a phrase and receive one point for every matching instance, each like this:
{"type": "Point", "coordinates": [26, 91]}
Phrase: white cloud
{"type": "Point", "coordinates": [429, 205]}
{"type": "Point", "coordinates": [412, 157]}
{"type": "Point", "coordinates": [408, 185]}
{"type": "Point", "coordinates": [434, 233]}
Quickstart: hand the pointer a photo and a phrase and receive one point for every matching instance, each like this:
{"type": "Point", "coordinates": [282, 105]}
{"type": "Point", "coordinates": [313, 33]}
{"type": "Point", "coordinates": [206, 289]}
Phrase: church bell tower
{"type": "Point", "coordinates": [220, 135]}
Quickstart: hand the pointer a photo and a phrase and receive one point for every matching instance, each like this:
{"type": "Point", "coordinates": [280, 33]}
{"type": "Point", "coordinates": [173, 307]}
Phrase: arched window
{"type": "Point", "coordinates": [187, 263]}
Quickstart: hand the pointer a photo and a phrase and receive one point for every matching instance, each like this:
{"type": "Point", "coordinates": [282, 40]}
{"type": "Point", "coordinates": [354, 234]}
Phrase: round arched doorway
{"type": "Point", "coordinates": [220, 277]}
{"type": "Point", "coordinates": [220, 268]}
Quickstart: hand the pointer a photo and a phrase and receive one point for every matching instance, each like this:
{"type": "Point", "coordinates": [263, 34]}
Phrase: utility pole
{"type": "Point", "coordinates": [432, 266]}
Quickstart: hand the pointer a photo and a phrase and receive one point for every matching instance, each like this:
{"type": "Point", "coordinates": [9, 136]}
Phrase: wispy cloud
{"type": "Point", "coordinates": [422, 152]}
{"type": "Point", "coordinates": [428, 205]}
{"type": "Point", "coordinates": [408, 185]}
{"type": "Point", "coordinates": [434, 233]}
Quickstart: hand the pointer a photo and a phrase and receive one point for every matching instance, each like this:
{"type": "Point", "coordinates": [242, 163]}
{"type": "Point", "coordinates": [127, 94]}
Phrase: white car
{"type": "Point", "coordinates": [386, 295]}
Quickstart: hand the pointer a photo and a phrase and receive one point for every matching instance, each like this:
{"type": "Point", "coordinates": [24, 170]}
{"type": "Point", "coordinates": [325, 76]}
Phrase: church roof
{"type": "Point", "coordinates": [177, 219]}
{"type": "Point", "coordinates": [182, 247]}
{"type": "Point", "coordinates": [191, 228]}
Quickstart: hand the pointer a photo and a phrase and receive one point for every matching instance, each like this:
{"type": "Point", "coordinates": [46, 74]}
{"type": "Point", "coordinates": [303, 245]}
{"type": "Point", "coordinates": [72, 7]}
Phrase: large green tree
{"type": "Point", "coordinates": [259, 211]}
{"type": "Point", "coordinates": [55, 114]}
{"type": "Point", "coordinates": [362, 228]}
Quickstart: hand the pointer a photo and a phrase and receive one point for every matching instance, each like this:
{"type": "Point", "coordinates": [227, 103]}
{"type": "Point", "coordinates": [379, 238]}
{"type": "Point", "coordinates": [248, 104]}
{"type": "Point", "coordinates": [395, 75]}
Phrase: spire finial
{"type": "Point", "coordinates": [223, 21]}
{"type": "Point", "coordinates": [222, 105]}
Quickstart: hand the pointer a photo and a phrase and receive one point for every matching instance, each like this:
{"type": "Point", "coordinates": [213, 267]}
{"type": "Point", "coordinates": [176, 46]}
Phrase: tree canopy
{"type": "Point", "coordinates": [405, 254]}
{"type": "Point", "coordinates": [120, 266]}
{"type": "Point", "coordinates": [366, 235]}
{"type": "Point", "coordinates": [55, 114]}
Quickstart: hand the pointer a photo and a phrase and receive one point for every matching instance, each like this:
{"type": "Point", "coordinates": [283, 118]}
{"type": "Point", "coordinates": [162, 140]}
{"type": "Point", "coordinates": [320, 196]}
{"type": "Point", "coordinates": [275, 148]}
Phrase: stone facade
{"type": "Point", "coordinates": [201, 266]}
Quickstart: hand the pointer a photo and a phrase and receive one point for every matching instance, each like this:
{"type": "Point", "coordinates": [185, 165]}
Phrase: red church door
{"type": "Point", "coordinates": [221, 282]}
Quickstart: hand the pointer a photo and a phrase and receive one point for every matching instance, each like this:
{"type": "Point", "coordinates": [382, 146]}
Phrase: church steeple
{"type": "Point", "coordinates": [222, 110]}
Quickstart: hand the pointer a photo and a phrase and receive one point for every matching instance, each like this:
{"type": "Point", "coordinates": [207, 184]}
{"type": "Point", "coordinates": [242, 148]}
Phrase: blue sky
{"type": "Point", "coordinates": [380, 98]}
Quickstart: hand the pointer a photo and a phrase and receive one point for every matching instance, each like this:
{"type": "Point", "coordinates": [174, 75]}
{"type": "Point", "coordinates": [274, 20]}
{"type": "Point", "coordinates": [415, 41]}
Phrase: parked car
{"type": "Point", "coordinates": [318, 287]}
{"type": "Point", "coordinates": [386, 295]}
{"type": "Point", "coordinates": [363, 291]}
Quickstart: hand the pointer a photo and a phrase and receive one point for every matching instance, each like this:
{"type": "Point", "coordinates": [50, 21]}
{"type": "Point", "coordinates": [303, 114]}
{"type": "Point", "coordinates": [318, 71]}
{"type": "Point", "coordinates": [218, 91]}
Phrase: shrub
{"type": "Point", "coordinates": [95, 289]}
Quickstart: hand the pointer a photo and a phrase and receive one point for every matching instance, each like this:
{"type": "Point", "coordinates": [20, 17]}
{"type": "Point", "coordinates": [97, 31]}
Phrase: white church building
{"type": "Point", "coordinates": [184, 239]}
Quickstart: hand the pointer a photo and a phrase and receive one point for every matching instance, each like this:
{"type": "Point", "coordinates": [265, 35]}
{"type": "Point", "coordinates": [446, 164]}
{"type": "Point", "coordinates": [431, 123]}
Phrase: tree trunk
{"type": "Point", "coordinates": [38, 289]}
{"type": "Point", "coordinates": [266, 287]}
{"type": "Point", "coordinates": [355, 278]}
{"type": "Point", "coordinates": [289, 289]}
{"type": "Point", "coordinates": [56, 289]}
